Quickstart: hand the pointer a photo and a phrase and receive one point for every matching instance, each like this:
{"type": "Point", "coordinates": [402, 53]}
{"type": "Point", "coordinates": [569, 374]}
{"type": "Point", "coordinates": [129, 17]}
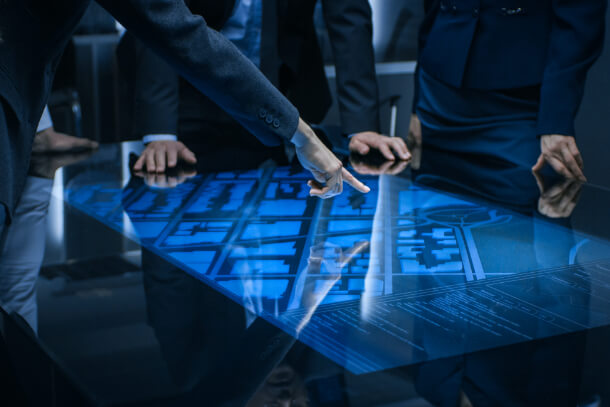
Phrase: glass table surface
{"type": "Point", "coordinates": [464, 280]}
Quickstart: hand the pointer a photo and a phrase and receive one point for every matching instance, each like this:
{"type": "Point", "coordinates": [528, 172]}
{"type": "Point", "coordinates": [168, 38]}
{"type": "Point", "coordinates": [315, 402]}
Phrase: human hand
{"type": "Point", "coordinates": [362, 143]}
{"type": "Point", "coordinates": [51, 141]}
{"type": "Point", "coordinates": [415, 135]}
{"type": "Point", "coordinates": [560, 200]}
{"type": "Point", "coordinates": [326, 168]}
{"type": "Point", "coordinates": [45, 165]}
{"type": "Point", "coordinates": [562, 154]}
{"type": "Point", "coordinates": [160, 155]}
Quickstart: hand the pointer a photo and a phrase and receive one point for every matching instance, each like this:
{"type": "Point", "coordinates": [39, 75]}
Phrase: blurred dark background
{"type": "Point", "coordinates": [88, 100]}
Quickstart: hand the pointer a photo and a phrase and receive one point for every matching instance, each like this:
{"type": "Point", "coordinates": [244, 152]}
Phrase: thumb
{"type": "Point", "coordinates": [361, 148]}
{"type": "Point", "coordinates": [539, 164]}
{"type": "Point", "coordinates": [188, 156]}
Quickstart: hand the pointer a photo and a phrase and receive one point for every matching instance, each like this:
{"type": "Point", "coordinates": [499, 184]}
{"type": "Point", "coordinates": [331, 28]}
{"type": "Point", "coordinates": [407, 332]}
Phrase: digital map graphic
{"type": "Point", "coordinates": [416, 269]}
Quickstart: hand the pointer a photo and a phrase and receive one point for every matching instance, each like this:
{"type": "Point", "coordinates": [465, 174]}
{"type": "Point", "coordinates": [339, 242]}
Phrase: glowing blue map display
{"type": "Point", "coordinates": [399, 276]}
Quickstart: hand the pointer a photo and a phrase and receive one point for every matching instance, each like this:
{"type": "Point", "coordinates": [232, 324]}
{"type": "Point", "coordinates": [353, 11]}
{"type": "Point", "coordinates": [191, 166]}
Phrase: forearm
{"type": "Point", "coordinates": [576, 43]}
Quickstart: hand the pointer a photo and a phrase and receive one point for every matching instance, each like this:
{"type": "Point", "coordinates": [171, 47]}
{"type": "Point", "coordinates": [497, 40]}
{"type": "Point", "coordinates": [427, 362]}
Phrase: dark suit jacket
{"type": "Point", "coordinates": [290, 58]}
{"type": "Point", "coordinates": [35, 32]}
{"type": "Point", "coordinates": [507, 44]}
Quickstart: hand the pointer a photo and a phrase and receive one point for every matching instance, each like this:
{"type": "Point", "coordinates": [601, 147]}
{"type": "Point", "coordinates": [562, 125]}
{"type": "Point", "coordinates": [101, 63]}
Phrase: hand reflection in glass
{"type": "Point", "coordinates": [328, 260]}
{"type": "Point", "coordinates": [374, 163]}
{"type": "Point", "coordinates": [559, 200]}
{"type": "Point", "coordinates": [169, 179]}
{"type": "Point", "coordinates": [283, 388]}
{"type": "Point", "coordinates": [388, 167]}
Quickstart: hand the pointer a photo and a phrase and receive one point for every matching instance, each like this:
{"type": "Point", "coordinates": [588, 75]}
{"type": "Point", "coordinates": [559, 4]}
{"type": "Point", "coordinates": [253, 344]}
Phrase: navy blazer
{"type": "Point", "coordinates": [508, 44]}
{"type": "Point", "coordinates": [35, 32]}
{"type": "Point", "coordinates": [291, 59]}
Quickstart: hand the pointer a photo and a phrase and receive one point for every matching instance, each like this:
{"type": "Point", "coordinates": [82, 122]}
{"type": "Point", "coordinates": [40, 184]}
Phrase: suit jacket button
{"type": "Point", "coordinates": [276, 123]}
{"type": "Point", "coordinates": [262, 113]}
{"type": "Point", "coordinates": [475, 12]}
{"type": "Point", "coordinates": [453, 9]}
{"type": "Point", "coordinates": [269, 119]}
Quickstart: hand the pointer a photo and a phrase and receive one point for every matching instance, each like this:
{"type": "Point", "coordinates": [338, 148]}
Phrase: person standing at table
{"type": "Point", "coordinates": [33, 35]}
{"type": "Point", "coordinates": [517, 68]}
{"type": "Point", "coordinates": [279, 37]}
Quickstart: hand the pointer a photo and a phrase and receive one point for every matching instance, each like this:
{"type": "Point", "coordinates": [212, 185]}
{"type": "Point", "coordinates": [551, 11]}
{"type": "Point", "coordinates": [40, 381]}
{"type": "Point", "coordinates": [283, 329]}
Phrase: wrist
{"type": "Point", "coordinates": [149, 138]}
{"type": "Point", "coordinates": [303, 135]}
{"type": "Point", "coordinates": [44, 131]}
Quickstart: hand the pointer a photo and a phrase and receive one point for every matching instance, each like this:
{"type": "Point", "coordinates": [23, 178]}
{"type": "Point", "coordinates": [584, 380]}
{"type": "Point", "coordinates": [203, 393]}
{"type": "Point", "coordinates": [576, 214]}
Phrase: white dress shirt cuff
{"type": "Point", "coordinates": [149, 138]}
{"type": "Point", "coordinates": [299, 139]}
{"type": "Point", "coordinates": [45, 121]}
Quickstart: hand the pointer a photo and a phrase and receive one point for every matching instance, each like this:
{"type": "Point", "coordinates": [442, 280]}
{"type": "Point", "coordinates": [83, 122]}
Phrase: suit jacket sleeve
{"type": "Point", "coordinates": [576, 42]}
{"type": "Point", "coordinates": [350, 27]}
{"type": "Point", "coordinates": [211, 63]}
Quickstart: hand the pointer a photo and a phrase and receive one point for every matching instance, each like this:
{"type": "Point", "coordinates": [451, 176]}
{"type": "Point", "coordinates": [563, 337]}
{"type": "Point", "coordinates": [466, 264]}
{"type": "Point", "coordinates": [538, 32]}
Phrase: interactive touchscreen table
{"type": "Point", "coordinates": [403, 275]}
{"type": "Point", "coordinates": [461, 277]}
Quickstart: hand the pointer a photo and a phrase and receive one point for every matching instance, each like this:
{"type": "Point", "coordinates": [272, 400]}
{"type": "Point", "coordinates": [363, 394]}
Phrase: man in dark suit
{"type": "Point", "coordinates": [35, 32]}
{"type": "Point", "coordinates": [280, 38]}
{"type": "Point", "coordinates": [489, 63]}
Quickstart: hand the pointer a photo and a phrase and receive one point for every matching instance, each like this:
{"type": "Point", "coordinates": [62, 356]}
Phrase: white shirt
{"type": "Point", "coordinates": [45, 121]}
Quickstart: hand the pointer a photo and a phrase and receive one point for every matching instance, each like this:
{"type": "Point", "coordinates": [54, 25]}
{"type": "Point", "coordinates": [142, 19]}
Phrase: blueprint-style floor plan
{"type": "Point", "coordinates": [401, 275]}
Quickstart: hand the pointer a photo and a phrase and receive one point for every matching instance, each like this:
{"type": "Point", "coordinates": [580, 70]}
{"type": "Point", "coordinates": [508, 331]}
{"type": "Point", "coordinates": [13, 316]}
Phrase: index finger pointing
{"type": "Point", "coordinates": [350, 179]}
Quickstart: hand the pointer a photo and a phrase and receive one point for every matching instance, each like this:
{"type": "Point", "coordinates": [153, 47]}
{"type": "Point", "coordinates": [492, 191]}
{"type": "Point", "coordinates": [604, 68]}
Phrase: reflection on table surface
{"type": "Point", "coordinates": [445, 282]}
{"type": "Point", "coordinates": [426, 273]}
